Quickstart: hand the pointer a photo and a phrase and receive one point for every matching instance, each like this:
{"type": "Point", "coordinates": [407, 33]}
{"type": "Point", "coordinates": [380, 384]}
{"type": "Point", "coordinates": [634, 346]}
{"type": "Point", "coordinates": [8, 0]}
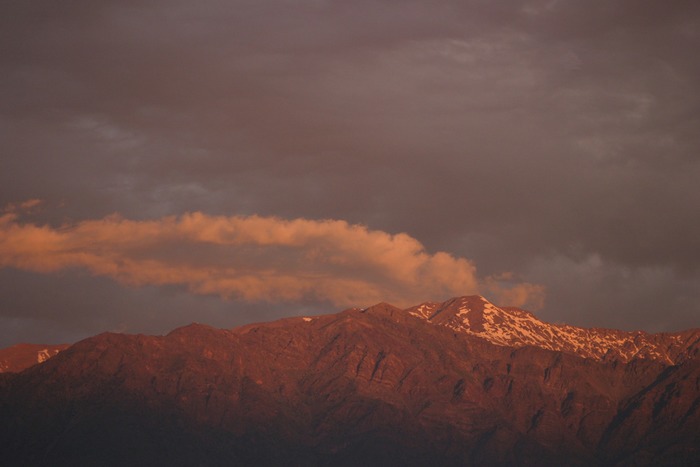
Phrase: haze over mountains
{"type": "Point", "coordinates": [463, 382]}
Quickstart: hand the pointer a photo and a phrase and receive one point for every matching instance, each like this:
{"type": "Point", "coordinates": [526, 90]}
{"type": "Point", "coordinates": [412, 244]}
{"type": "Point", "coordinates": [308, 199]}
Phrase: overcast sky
{"type": "Point", "coordinates": [225, 162]}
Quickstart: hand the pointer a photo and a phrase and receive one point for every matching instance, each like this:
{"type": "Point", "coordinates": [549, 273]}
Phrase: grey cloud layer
{"type": "Point", "coordinates": [528, 136]}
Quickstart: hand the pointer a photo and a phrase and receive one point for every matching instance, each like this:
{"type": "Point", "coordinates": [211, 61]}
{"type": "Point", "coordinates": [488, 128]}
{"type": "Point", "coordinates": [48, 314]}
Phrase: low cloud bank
{"type": "Point", "coordinates": [255, 259]}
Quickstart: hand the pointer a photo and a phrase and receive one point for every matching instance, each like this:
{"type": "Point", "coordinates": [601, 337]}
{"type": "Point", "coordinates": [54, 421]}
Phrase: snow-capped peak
{"type": "Point", "coordinates": [514, 327]}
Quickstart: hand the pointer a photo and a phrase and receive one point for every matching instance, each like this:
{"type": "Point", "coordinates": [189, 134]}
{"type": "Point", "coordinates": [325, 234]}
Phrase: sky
{"type": "Point", "coordinates": [228, 162]}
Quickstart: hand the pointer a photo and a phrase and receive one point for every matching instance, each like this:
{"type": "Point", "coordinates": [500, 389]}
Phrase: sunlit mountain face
{"type": "Point", "coordinates": [463, 382]}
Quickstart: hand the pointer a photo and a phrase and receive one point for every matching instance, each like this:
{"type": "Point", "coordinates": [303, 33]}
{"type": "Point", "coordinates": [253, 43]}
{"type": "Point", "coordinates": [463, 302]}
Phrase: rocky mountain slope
{"type": "Point", "coordinates": [22, 356]}
{"type": "Point", "coordinates": [379, 386]}
{"type": "Point", "coordinates": [514, 327]}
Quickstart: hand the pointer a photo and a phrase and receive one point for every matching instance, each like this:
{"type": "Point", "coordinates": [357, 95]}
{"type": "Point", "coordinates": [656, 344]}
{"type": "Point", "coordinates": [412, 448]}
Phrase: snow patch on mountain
{"type": "Point", "coordinates": [22, 356]}
{"type": "Point", "coordinates": [43, 355]}
{"type": "Point", "coordinates": [514, 327]}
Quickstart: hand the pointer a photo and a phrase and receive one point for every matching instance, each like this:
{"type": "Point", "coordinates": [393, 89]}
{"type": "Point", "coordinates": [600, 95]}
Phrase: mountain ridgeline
{"type": "Point", "coordinates": [21, 356]}
{"type": "Point", "coordinates": [463, 382]}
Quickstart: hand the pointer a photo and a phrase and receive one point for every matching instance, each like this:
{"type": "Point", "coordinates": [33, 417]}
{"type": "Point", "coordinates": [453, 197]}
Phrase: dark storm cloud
{"type": "Point", "coordinates": [535, 137]}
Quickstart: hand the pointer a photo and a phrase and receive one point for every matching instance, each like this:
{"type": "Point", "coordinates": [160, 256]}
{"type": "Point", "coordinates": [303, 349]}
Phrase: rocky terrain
{"type": "Point", "coordinates": [22, 356]}
{"type": "Point", "coordinates": [457, 383]}
{"type": "Point", "coordinates": [514, 327]}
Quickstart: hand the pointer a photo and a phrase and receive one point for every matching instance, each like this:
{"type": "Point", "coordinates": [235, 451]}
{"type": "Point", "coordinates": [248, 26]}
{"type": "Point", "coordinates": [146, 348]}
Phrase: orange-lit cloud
{"type": "Point", "coordinates": [253, 258]}
{"type": "Point", "coordinates": [23, 206]}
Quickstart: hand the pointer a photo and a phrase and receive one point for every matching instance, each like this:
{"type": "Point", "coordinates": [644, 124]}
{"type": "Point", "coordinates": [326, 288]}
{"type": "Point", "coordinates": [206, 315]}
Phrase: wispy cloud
{"type": "Point", "coordinates": [254, 258]}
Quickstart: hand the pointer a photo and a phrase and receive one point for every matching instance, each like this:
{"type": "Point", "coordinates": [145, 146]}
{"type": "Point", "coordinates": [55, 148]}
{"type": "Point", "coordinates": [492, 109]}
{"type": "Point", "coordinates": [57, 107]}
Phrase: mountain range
{"type": "Point", "coordinates": [462, 382]}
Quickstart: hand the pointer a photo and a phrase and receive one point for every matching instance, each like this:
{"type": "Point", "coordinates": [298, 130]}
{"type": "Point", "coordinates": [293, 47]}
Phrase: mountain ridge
{"type": "Point", "coordinates": [374, 386]}
{"type": "Point", "coordinates": [511, 326]}
{"type": "Point", "coordinates": [477, 316]}
{"type": "Point", "coordinates": [23, 355]}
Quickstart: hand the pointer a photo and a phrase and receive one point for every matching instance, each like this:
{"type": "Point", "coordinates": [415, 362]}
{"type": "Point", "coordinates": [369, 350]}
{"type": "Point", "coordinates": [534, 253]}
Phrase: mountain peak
{"type": "Point", "coordinates": [383, 308]}
{"type": "Point", "coordinates": [514, 327]}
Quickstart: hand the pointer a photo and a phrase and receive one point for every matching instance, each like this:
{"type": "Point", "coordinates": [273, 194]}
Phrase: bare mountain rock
{"type": "Point", "coordinates": [459, 383]}
{"type": "Point", "coordinates": [21, 356]}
